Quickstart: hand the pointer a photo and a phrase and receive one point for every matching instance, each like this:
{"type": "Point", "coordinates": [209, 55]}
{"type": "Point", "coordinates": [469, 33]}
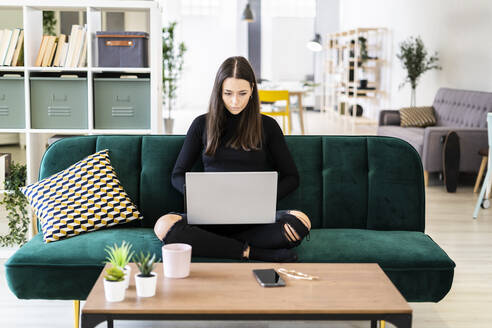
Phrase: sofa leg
{"type": "Point", "coordinates": [426, 178]}
{"type": "Point", "coordinates": [76, 312]}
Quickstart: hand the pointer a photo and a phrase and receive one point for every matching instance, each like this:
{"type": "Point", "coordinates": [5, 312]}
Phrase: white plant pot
{"type": "Point", "coordinates": [114, 291]}
{"type": "Point", "coordinates": [146, 285]}
{"type": "Point", "coordinates": [127, 270]}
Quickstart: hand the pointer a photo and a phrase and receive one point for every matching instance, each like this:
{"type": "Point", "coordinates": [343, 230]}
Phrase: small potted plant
{"type": "Point", "coordinates": [119, 256]}
{"type": "Point", "coordinates": [146, 280]}
{"type": "Point", "coordinates": [114, 284]}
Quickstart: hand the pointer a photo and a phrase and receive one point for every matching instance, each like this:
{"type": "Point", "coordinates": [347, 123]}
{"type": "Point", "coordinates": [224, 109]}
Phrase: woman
{"type": "Point", "coordinates": [234, 136]}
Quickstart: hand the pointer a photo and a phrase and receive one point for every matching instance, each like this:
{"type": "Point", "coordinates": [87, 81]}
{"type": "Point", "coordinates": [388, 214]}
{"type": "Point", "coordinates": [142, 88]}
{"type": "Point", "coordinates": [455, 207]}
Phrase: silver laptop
{"type": "Point", "coordinates": [231, 197]}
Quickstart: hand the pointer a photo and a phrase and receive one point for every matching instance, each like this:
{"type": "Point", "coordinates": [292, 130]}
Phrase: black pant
{"type": "Point", "coordinates": [230, 241]}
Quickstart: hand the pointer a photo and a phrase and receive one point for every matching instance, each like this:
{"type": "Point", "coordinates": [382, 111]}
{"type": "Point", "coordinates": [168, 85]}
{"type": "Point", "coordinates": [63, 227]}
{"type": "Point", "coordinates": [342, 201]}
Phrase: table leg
{"type": "Point", "coordinates": [400, 321]}
{"type": "Point", "coordinates": [301, 116]}
{"type": "Point", "coordinates": [92, 320]}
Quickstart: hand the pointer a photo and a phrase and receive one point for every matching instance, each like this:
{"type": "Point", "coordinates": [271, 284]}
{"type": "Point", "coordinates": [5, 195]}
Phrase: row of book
{"type": "Point", "coordinates": [63, 50]}
{"type": "Point", "coordinates": [11, 47]}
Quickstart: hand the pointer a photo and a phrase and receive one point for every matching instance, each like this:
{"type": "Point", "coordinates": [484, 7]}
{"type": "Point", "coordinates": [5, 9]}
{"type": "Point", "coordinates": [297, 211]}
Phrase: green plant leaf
{"type": "Point", "coordinates": [145, 263]}
{"type": "Point", "coordinates": [119, 256]}
{"type": "Point", "coordinates": [15, 203]}
{"type": "Point", "coordinates": [114, 274]}
{"type": "Point", "coordinates": [415, 60]}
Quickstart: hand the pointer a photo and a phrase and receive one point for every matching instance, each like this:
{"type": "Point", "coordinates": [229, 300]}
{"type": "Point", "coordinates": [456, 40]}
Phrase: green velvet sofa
{"type": "Point", "coordinates": [364, 195]}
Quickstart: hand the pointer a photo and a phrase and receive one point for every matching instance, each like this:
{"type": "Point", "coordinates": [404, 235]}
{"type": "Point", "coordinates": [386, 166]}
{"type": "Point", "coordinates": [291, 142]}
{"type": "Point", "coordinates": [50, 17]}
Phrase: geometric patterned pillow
{"type": "Point", "coordinates": [417, 116]}
{"type": "Point", "coordinates": [85, 197]}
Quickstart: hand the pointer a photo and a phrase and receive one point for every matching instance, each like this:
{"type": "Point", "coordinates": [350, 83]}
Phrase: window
{"type": "Point", "coordinates": [289, 8]}
{"type": "Point", "coordinates": [199, 7]}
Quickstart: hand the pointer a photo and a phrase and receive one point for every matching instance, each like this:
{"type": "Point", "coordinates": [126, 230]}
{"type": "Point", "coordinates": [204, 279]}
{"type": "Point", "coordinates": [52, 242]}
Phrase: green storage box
{"type": "Point", "coordinates": [58, 102]}
{"type": "Point", "coordinates": [12, 105]}
{"type": "Point", "coordinates": [122, 103]}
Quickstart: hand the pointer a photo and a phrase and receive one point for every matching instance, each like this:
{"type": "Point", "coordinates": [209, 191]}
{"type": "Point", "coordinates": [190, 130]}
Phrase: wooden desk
{"type": "Point", "coordinates": [228, 291]}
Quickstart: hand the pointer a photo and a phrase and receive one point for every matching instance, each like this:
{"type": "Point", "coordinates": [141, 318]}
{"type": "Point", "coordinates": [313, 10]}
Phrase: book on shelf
{"type": "Point", "coordinates": [18, 57]}
{"type": "Point", "coordinates": [63, 50]}
{"type": "Point", "coordinates": [83, 56]}
{"type": "Point", "coordinates": [12, 45]}
{"type": "Point", "coordinates": [63, 54]}
{"type": "Point", "coordinates": [59, 48]}
{"type": "Point", "coordinates": [48, 51]}
{"type": "Point", "coordinates": [71, 45]}
{"type": "Point", "coordinates": [76, 47]}
{"type": "Point", "coordinates": [42, 50]}
{"type": "Point", "coordinates": [52, 53]}
{"type": "Point", "coordinates": [4, 45]}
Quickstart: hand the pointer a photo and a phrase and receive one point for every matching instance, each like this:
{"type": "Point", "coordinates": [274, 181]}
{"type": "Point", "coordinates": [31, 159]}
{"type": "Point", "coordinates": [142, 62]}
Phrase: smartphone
{"type": "Point", "coordinates": [268, 278]}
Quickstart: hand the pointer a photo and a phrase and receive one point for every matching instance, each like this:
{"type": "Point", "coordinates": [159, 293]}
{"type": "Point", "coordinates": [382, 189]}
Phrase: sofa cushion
{"type": "Point", "coordinates": [157, 195]}
{"type": "Point", "coordinates": [418, 267]}
{"type": "Point", "coordinates": [125, 157]}
{"type": "Point", "coordinates": [56, 266]}
{"type": "Point", "coordinates": [345, 183]}
{"type": "Point", "coordinates": [306, 153]}
{"type": "Point", "coordinates": [414, 136]}
{"type": "Point", "coordinates": [417, 116]}
{"type": "Point", "coordinates": [396, 195]}
{"type": "Point", "coordinates": [84, 197]}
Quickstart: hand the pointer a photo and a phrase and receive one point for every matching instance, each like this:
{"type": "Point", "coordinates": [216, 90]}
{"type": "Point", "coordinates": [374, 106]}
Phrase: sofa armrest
{"type": "Point", "coordinates": [389, 117]}
{"type": "Point", "coordinates": [471, 141]}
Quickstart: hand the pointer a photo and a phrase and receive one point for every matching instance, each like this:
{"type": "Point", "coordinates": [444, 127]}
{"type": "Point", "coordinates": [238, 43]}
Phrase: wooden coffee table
{"type": "Point", "coordinates": [229, 291]}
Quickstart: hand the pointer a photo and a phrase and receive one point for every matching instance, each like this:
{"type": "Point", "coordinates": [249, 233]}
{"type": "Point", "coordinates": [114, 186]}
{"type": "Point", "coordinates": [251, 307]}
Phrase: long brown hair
{"type": "Point", "coordinates": [249, 132]}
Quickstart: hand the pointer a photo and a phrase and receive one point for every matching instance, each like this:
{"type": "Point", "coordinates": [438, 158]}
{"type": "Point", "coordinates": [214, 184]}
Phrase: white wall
{"type": "Point", "coordinates": [283, 48]}
{"type": "Point", "coordinates": [284, 56]}
{"type": "Point", "coordinates": [459, 30]}
{"type": "Point", "coordinates": [10, 18]}
{"type": "Point", "coordinates": [327, 22]}
{"type": "Point", "coordinates": [210, 40]}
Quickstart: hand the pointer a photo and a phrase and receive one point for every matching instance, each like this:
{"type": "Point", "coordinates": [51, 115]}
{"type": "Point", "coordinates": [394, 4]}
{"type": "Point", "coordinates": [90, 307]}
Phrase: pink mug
{"type": "Point", "coordinates": [176, 259]}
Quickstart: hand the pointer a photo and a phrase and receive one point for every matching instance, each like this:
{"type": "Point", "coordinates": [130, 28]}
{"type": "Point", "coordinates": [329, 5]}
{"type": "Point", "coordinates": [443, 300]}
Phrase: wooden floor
{"type": "Point", "coordinates": [448, 221]}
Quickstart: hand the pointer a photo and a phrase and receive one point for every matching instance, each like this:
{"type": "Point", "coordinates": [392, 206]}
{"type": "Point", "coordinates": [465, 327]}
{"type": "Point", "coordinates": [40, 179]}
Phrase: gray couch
{"type": "Point", "coordinates": [462, 111]}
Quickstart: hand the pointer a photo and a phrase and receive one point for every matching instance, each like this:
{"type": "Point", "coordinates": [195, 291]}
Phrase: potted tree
{"type": "Point", "coordinates": [114, 284]}
{"type": "Point", "coordinates": [416, 61]}
{"type": "Point", "coordinates": [172, 65]}
{"type": "Point", "coordinates": [146, 280]}
{"type": "Point", "coordinates": [119, 257]}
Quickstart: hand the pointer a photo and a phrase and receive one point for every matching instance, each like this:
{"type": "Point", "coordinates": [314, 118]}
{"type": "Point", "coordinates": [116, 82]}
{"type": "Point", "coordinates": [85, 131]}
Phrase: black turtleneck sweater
{"type": "Point", "coordinates": [274, 154]}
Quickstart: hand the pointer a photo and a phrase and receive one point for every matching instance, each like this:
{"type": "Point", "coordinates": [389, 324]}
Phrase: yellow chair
{"type": "Point", "coordinates": [277, 95]}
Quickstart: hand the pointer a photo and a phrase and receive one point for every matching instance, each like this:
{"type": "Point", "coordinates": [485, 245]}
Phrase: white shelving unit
{"type": "Point", "coordinates": [343, 73]}
{"type": "Point", "coordinates": [93, 9]}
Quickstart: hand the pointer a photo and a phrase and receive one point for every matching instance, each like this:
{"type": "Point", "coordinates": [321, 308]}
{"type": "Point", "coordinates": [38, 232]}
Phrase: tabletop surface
{"type": "Point", "coordinates": [218, 288]}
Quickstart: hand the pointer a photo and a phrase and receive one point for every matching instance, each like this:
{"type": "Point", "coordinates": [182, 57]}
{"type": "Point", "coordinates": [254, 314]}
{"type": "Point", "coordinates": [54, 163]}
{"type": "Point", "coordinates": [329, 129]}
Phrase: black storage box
{"type": "Point", "coordinates": [122, 49]}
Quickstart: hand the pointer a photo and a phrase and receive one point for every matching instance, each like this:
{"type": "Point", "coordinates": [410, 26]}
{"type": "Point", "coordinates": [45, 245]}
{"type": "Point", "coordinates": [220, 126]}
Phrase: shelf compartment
{"type": "Point", "coordinates": [58, 102]}
{"type": "Point", "coordinates": [121, 69]}
{"type": "Point", "coordinates": [57, 69]}
{"type": "Point", "coordinates": [121, 103]}
{"type": "Point", "coordinates": [12, 105]}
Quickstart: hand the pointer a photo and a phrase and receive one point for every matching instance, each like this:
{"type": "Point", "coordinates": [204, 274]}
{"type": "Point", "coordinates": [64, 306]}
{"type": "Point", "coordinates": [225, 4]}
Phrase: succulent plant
{"type": "Point", "coordinates": [114, 274]}
{"type": "Point", "coordinates": [119, 256]}
{"type": "Point", "coordinates": [145, 263]}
